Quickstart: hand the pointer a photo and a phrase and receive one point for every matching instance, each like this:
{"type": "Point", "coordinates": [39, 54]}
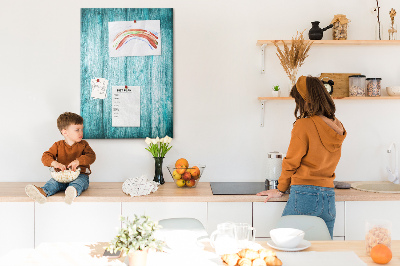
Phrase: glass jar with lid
{"type": "Point", "coordinates": [357, 84]}
{"type": "Point", "coordinates": [374, 87]}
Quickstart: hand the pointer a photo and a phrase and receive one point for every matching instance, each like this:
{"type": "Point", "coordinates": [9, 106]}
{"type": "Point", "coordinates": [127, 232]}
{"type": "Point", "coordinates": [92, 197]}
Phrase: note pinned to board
{"type": "Point", "coordinates": [99, 88]}
{"type": "Point", "coordinates": [126, 106]}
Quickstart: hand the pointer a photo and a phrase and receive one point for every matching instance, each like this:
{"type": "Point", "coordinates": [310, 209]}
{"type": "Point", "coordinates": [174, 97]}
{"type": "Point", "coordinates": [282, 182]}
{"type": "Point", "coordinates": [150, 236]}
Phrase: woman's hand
{"type": "Point", "coordinates": [272, 193]}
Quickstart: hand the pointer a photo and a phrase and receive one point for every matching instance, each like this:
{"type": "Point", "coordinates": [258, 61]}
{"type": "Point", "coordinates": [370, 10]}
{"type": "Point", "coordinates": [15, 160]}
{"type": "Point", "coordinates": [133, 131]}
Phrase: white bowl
{"type": "Point", "coordinates": [287, 237]}
{"type": "Point", "coordinates": [393, 91]}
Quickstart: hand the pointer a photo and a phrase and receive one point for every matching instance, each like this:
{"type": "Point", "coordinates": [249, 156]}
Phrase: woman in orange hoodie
{"type": "Point", "coordinates": [313, 154]}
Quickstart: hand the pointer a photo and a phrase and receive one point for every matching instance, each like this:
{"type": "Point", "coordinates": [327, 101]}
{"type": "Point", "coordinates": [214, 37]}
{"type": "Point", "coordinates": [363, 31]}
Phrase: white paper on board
{"type": "Point", "coordinates": [134, 38]}
{"type": "Point", "coordinates": [99, 88]}
{"type": "Point", "coordinates": [126, 106]}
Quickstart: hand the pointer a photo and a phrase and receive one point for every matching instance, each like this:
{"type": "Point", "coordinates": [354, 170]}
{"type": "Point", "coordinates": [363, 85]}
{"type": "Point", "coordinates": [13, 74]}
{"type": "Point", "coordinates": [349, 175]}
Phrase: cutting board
{"type": "Point", "coordinates": [341, 80]}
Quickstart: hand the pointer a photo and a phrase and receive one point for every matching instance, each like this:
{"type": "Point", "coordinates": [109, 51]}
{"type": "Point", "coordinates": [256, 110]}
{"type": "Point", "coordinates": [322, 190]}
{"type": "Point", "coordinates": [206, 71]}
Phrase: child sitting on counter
{"type": "Point", "coordinates": [71, 152]}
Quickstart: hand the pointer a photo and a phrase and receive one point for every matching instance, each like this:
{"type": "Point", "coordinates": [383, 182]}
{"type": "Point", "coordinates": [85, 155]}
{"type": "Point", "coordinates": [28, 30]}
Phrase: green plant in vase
{"type": "Point", "coordinates": [276, 91]}
{"type": "Point", "coordinates": [135, 238]}
{"type": "Point", "coordinates": [158, 148]}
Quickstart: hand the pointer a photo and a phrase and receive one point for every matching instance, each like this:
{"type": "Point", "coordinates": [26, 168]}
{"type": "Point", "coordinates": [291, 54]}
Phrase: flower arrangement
{"type": "Point", "coordinates": [136, 235]}
{"type": "Point", "coordinates": [293, 58]}
{"type": "Point", "coordinates": [276, 88]}
{"type": "Point", "coordinates": [158, 147]}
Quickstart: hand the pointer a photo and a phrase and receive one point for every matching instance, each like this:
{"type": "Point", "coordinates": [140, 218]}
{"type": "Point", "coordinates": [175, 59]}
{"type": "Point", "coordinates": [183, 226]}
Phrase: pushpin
{"type": "Point", "coordinates": [134, 21]}
{"type": "Point", "coordinates": [98, 80]}
{"type": "Point", "coordinates": [126, 87]}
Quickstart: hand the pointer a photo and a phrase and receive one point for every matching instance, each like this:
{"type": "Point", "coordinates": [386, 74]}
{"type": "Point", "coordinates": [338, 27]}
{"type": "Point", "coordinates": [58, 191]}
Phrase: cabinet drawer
{"type": "Point", "coordinates": [220, 212]}
{"type": "Point", "coordinates": [16, 216]}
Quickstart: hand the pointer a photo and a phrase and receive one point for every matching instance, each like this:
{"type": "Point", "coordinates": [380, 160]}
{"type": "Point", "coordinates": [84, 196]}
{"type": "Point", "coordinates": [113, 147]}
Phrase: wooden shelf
{"type": "Point", "coordinates": [335, 98]}
{"type": "Point", "coordinates": [264, 99]}
{"type": "Point", "coordinates": [338, 42]}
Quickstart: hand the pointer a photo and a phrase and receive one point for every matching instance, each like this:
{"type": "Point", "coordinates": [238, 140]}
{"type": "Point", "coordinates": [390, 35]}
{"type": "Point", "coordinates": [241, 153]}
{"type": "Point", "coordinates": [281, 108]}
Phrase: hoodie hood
{"type": "Point", "coordinates": [331, 133]}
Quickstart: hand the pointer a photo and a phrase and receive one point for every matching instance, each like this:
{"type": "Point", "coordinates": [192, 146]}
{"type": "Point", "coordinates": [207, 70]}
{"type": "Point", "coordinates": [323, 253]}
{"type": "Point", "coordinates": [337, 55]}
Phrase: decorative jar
{"type": "Point", "coordinates": [374, 87]}
{"type": "Point", "coordinates": [357, 84]}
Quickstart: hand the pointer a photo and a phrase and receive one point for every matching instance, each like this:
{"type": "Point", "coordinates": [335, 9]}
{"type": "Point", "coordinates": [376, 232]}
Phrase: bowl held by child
{"type": "Point", "coordinates": [65, 176]}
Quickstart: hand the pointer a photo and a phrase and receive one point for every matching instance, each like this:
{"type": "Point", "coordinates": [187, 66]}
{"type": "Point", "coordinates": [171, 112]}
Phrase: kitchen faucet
{"type": "Point", "coordinates": [394, 176]}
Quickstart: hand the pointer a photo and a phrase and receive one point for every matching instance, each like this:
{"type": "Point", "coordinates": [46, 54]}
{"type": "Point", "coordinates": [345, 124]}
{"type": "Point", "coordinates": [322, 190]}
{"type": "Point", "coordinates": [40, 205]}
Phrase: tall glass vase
{"type": "Point", "coordinates": [158, 174]}
{"type": "Point", "coordinates": [378, 31]}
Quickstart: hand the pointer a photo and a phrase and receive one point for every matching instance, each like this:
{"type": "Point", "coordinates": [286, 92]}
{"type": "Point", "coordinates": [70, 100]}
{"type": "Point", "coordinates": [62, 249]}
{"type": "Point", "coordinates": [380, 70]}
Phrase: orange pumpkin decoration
{"type": "Point", "coordinates": [381, 254]}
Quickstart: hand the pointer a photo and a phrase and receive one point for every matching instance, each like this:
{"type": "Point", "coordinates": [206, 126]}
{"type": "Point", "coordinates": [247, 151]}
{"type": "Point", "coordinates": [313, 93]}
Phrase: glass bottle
{"type": "Point", "coordinates": [392, 32]}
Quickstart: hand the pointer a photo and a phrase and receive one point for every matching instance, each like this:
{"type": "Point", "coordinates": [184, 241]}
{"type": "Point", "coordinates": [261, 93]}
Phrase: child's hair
{"type": "Point", "coordinates": [319, 100]}
{"type": "Point", "coordinates": [66, 119]}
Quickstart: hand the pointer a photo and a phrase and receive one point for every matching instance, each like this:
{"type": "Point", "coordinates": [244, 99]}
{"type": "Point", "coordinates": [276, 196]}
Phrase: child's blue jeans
{"type": "Point", "coordinates": [80, 184]}
{"type": "Point", "coordinates": [314, 201]}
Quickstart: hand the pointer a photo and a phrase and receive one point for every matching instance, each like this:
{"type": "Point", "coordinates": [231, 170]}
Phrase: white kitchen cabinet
{"type": "Point", "coordinates": [165, 210]}
{"type": "Point", "coordinates": [220, 212]}
{"type": "Point", "coordinates": [79, 222]}
{"type": "Point", "coordinates": [358, 212]}
{"type": "Point", "coordinates": [16, 226]}
{"type": "Point", "coordinates": [266, 215]}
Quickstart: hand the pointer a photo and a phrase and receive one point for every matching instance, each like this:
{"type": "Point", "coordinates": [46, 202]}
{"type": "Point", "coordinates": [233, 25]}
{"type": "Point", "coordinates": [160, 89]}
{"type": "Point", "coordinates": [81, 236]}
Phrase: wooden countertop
{"type": "Point", "coordinates": [112, 192]}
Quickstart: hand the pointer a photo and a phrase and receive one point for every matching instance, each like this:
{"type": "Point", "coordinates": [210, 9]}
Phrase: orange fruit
{"type": "Point", "coordinates": [182, 163]}
{"type": "Point", "coordinates": [381, 254]}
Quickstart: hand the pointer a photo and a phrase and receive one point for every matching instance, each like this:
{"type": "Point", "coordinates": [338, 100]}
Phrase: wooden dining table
{"type": "Point", "coordinates": [358, 247]}
{"type": "Point", "coordinates": [92, 253]}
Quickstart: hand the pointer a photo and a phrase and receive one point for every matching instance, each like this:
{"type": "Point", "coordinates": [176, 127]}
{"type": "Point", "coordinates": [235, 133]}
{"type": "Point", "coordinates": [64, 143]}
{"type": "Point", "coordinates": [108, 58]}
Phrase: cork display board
{"type": "Point", "coordinates": [127, 72]}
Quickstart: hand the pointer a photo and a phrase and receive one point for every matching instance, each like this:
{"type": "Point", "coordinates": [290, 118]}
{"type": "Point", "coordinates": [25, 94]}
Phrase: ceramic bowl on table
{"type": "Point", "coordinates": [287, 237]}
{"type": "Point", "coordinates": [65, 176]}
{"type": "Point", "coordinates": [186, 177]}
{"type": "Point", "coordinates": [393, 91]}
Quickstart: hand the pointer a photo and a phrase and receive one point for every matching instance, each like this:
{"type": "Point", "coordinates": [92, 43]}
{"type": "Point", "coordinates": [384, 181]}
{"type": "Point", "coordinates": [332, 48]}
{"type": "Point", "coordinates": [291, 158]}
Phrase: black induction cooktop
{"type": "Point", "coordinates": [237, 188]}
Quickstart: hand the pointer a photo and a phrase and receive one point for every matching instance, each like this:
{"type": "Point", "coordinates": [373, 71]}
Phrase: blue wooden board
{"type": "Point", "coordinates": [154, 75]}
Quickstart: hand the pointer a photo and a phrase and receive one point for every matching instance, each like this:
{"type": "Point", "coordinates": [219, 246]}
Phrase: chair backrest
{"type": "Point", "coordinates": [314, 227]}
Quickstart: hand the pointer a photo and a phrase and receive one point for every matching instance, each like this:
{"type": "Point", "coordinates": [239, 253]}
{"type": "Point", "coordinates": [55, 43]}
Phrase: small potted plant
{"type": "Point", "coordinates": [135, 238]}
{"type": "Point", "coordinates": [276, 91]}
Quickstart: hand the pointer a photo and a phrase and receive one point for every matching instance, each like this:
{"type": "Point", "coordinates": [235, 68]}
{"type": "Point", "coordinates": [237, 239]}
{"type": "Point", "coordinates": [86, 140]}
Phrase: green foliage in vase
{"type": "Point", "coordinates": [137, 234]}
{"type": "Point", "coordinates": [276, 88]}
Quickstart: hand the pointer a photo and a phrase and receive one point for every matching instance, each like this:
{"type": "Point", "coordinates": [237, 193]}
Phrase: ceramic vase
{"type": "Point", "coordinates": [158, 174]}
{"type": "Point", "coordinates": [138, 257]}
{"type": "Point", "coordinates": [276, 93]}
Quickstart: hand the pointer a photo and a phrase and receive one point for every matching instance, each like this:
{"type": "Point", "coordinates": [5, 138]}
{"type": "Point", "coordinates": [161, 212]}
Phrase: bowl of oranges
{"type": "Point", "coordinates": [185, 175]}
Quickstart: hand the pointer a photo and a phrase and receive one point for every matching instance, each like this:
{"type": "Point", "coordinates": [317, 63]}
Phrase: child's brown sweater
{"type": "Point", "coordinates": [313, 154]}
{"type": "Point", "coordinates": [65, 154]}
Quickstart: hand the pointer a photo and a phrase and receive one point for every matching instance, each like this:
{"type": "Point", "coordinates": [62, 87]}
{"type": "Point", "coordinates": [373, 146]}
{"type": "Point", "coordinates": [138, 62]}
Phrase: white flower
{"type": "Point", "coordinates": [155, 141]}
{"type": "Point", "coordinates": [168, 139]}
{"type": "Point", "coordinates": [147, 140]}
{"type": "Point", "coordinates": [162, 140]}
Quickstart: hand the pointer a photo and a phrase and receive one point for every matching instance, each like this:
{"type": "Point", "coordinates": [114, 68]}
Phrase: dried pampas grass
{"type": "Point", "coordinates": [292, 58]}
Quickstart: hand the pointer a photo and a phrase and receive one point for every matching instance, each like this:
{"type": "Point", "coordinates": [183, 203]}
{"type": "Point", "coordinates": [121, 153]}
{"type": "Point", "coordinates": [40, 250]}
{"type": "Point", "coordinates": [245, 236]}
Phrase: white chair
{"type": "Point", "coordinates": [314, 227]}
{"type": "Point", "coordinates": [182, 233]}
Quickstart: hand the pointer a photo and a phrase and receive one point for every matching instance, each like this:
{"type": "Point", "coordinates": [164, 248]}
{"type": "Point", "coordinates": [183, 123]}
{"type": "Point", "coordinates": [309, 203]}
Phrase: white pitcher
{"type": "Point", "coordinates": [223, 239]}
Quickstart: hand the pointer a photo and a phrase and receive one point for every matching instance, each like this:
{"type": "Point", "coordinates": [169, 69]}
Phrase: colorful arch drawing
{"type": "Point", "coordinates": [127, 35]}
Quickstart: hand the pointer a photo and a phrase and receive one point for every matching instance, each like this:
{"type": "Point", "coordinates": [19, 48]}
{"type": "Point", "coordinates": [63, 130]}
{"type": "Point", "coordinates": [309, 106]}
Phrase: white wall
{"type": "Point", "coordinates": [216, 84]}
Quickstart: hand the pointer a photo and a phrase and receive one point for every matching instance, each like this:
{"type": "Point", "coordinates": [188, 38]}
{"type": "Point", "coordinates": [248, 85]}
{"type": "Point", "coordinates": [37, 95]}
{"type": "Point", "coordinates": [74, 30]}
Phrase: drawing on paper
{"type": "Point", "coordinates": [134, 38]}
{"type": "Point", "coordinates": [135, 34]}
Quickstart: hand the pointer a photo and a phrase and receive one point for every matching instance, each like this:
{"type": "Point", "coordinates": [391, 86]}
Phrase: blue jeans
{"type": "Point", "coordinates": [80, 184]}
{"type": "Point", "coordinates": [314, 201]}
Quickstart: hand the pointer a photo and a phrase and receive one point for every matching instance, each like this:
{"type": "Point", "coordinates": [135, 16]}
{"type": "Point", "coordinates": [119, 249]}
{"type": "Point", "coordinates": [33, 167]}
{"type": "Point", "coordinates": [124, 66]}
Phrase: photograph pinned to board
{"type": "Point", "coordinates": [126, 106]}
{"type": "Point", "coordinates": [99, 88]}
{"type": "Point", "coordinates": [134, 38]}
